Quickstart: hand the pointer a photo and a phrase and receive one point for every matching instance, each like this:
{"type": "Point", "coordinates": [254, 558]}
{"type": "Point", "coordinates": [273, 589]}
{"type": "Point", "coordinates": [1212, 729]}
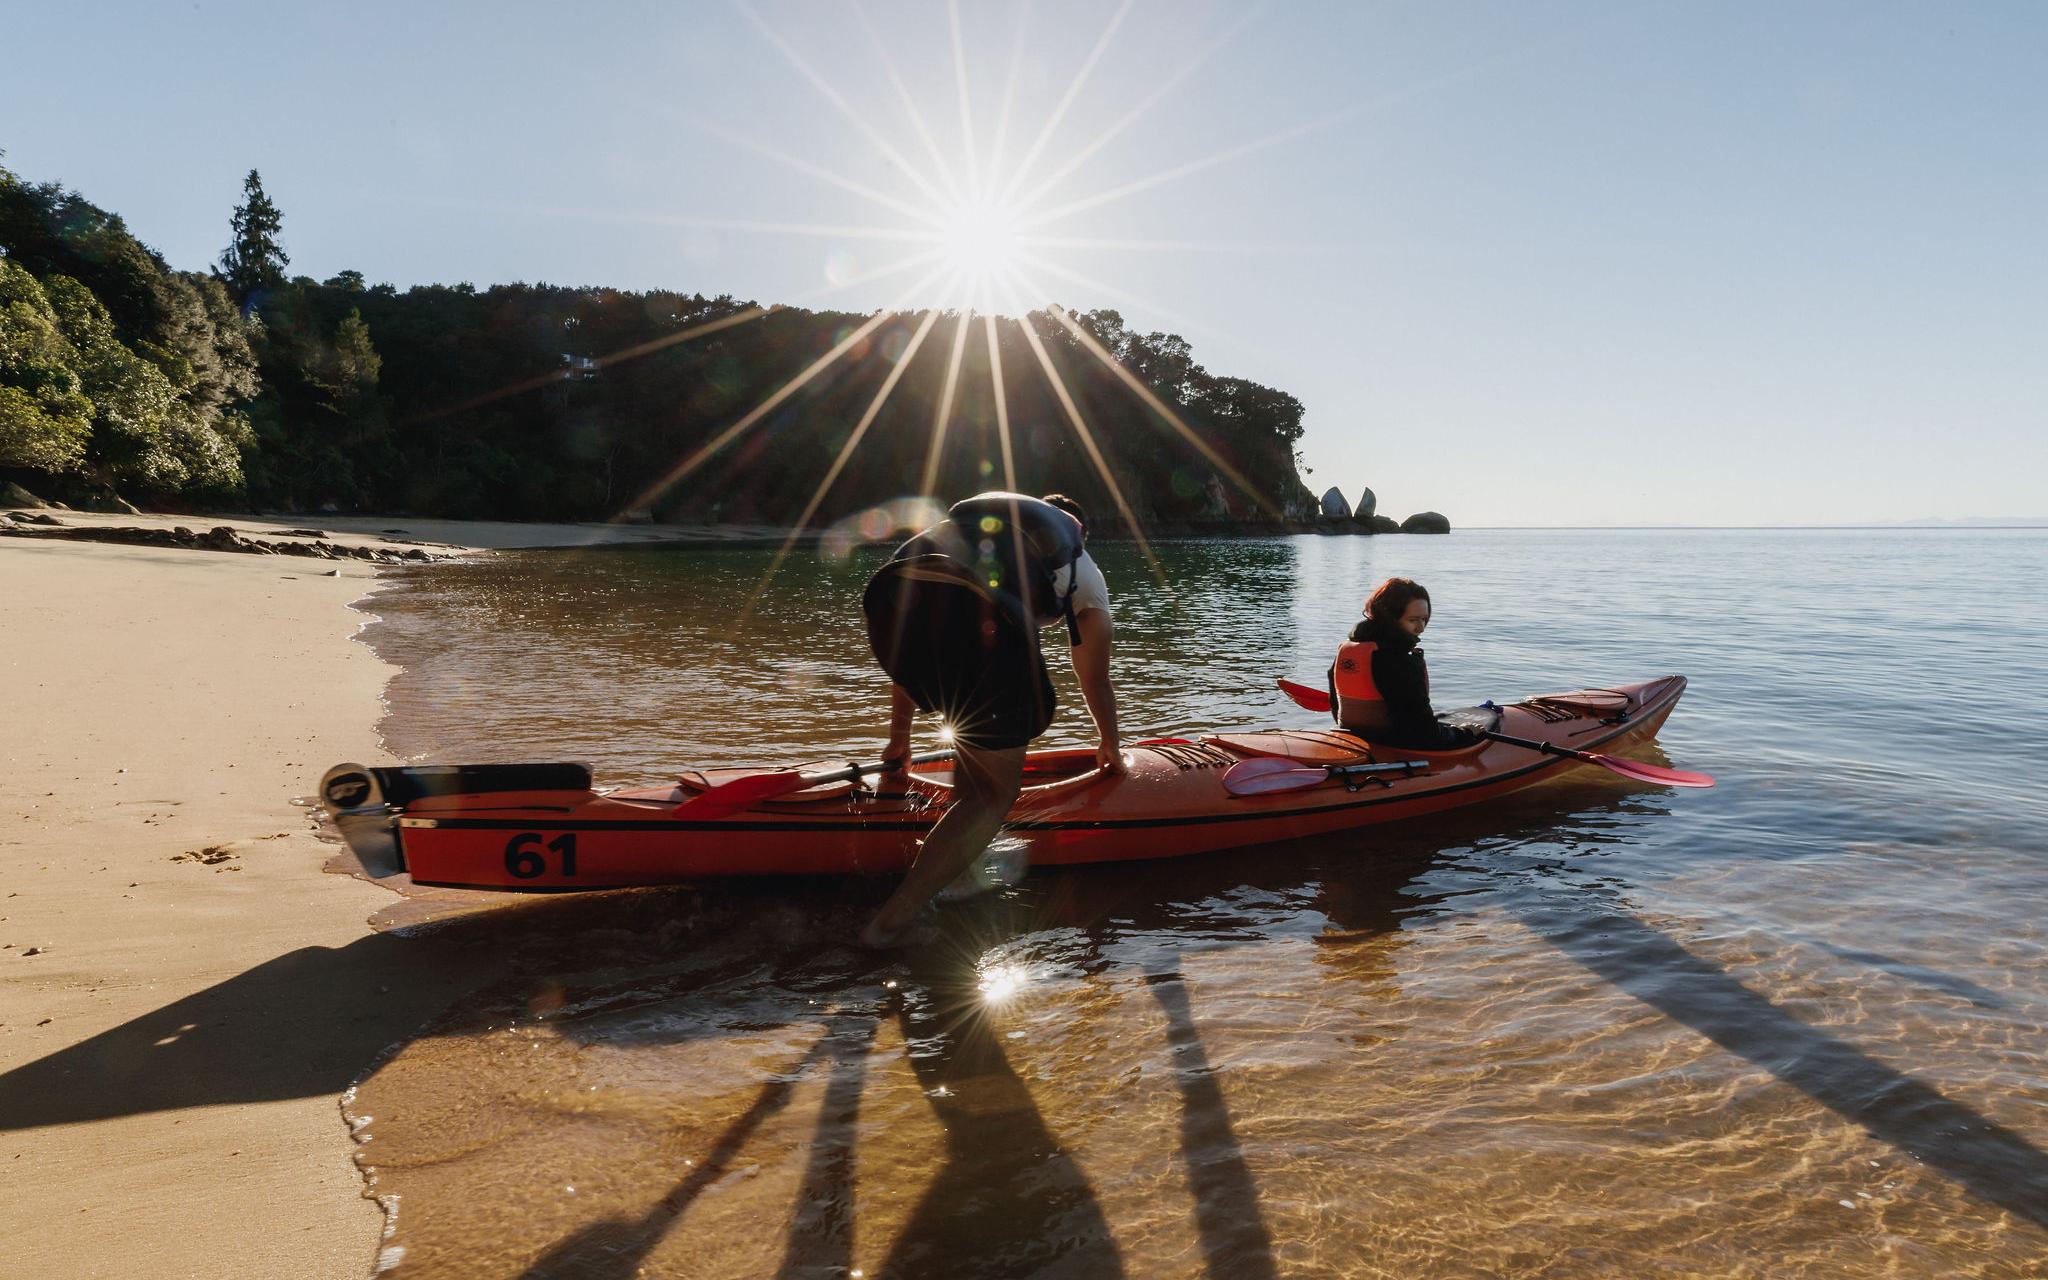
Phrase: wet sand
{"type": "Point", "coordinates": [184, 994]}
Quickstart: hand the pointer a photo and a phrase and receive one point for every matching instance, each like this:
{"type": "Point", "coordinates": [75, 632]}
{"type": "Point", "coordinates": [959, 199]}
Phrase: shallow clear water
{"type": "Point", "coordinates": [1789, 1026]}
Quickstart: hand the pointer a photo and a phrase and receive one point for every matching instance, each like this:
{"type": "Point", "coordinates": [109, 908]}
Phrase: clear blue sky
{"type": "Point", "coordinates": [1524, 263]}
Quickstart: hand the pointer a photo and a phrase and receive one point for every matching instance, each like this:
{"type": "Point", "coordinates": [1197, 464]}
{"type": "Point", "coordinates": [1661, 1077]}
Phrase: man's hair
{"type": "Point", "coordinates": [1071, 507]}
{"type": "Point", "coordinates": [1392, 598]}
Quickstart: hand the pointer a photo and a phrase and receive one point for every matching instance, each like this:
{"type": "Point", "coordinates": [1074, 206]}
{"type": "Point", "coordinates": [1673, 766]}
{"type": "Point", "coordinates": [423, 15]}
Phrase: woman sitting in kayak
{"type": "Point", "coordinates": [1379, 685]}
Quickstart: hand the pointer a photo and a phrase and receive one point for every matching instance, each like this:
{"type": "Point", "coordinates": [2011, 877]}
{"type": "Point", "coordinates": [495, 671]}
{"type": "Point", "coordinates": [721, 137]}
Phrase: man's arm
{"type": "Point", "coordinates": [1091, 668]}
{"type": "Point", "coordinates": [901, 709]}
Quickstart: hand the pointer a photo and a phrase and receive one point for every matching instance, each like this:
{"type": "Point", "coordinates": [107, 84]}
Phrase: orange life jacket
{"type": "Point", "coordinates": [1360, 705]}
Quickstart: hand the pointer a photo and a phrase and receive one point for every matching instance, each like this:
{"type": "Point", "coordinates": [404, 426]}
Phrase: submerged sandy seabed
{"type": "Point", "coordinates": [183, 993]}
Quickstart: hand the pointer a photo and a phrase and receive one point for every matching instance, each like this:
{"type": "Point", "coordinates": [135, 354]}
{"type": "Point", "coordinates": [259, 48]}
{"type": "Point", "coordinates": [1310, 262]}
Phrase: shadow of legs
{"type": "Point", "coordinates": [1009, 1201]}
{"type": "Point", "coordinates": [617, 1247]}
{"type": "Point", "coordinates": [1235, 1241]}
{"type": "Point", "coordinates": [821, 1234]}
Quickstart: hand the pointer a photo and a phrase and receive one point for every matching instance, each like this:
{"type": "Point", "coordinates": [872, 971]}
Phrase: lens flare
{"type": "Point", "coordinates": [1001, 983]}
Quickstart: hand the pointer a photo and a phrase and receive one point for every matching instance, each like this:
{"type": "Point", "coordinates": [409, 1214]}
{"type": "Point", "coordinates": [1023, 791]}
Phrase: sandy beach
{"type": "Point", "coordinates": [186, 993]}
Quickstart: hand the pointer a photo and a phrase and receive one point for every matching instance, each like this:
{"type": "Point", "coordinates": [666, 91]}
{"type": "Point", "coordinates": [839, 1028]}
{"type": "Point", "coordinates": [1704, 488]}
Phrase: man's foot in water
{"type": "Point", "coordinates": [919, 929]}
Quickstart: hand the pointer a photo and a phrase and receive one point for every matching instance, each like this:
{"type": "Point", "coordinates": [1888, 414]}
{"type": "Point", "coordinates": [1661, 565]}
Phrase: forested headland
{"type": "Point", "coordinates": [123, 379]}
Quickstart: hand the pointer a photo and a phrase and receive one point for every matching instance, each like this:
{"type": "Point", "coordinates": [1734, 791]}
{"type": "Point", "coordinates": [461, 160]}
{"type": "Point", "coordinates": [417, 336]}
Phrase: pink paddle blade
{"type": "Point", "coordinates": [1651, 772]}
{"type": "Point", "coordinates": [1269, 774]}
{"type": "Point", "coordinates": [1307, 697]}
{"type": "Point", "coordinates": [742, 793]}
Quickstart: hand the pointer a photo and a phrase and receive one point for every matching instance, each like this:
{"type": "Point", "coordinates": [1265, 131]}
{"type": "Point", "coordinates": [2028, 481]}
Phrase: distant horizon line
{"type": "Point", "coordinates": [1934, 525]}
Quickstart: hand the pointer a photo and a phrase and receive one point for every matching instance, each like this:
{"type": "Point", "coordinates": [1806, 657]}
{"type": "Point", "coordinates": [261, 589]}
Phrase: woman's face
{"type": "Point", "coordinates": [1415, 618]}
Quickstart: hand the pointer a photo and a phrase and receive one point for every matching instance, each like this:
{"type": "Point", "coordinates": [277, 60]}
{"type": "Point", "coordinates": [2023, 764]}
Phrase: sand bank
{"type": "Point", "coordinates": [445, 535]}
{"type": "Point", "coordinates": [183, 992]}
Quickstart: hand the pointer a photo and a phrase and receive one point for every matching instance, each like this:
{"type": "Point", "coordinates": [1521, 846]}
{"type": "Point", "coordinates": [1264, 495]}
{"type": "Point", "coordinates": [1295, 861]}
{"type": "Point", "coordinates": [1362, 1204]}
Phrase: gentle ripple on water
{"type": "Point", "coordinates": [1787, 1027]}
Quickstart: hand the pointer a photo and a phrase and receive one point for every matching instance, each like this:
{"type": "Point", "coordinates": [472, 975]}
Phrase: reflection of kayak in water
{"type": "Point", "coordinates": [543, 827]}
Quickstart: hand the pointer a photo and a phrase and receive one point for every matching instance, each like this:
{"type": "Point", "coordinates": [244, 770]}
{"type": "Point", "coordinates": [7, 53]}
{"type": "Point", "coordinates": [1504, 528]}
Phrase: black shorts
{"type": "Point", "coordinates": [957, 652]}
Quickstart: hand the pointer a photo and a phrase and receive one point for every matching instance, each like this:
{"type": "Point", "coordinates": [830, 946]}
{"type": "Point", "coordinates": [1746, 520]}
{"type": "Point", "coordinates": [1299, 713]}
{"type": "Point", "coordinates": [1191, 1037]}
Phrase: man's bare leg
{"type": "Point", "coordinates": [985, 785]}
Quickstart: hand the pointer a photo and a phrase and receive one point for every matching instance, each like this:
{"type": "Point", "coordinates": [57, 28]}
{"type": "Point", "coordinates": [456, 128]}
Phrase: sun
{"type": "Point", "coordinates": [980, 238]}
{"type": "Point", "coordinates": [981, 226]}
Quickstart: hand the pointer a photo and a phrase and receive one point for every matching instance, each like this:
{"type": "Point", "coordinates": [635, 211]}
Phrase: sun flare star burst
{"type": "Point", "coordinates": [981, 238]}
{"type": "Point", "coordinates": [982, 222]}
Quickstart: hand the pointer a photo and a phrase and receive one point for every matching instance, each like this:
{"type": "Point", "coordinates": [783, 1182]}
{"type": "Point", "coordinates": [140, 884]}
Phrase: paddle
{"type": "Point", "coordinates": [744, 793]}
{"type": "Point", "coordinates": [1268, 774]}
{"type": "Point", "coordinates": [1306, 697]}
{"type": "Point", "coordinates": [1313, 699]}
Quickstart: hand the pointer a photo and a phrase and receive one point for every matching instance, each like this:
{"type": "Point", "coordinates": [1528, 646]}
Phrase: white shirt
{"type": "Point", "coordinates": [1090, 592]}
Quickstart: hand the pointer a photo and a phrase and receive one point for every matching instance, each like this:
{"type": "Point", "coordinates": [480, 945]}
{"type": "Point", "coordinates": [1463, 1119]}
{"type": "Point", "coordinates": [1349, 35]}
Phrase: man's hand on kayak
{"type": "Point", "coordinates": [897, 750]}
{"type": "Point", "coordinates": [1109, 756]}
{"type": "Point", "coordinates": [897, 756]}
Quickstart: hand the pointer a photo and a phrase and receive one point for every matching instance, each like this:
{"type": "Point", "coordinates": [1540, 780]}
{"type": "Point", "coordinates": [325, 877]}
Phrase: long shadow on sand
{"type": "Point", "coordinates": [1994, 1163]}
{"type": "Point", "coordinates": [1009, 1200]}
{"type": "Point", "coordinates": [309, 1022]}
{"type": "Point", "coordinates": [315, 1020]}
{"type": "Point", "coordinates": [1235, 1239]}
{"type": "Point", "coordinates": [821, 1237]}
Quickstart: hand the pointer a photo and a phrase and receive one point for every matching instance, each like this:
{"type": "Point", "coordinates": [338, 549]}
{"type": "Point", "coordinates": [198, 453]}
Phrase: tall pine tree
{"type": "Point", "coordinates": [254, 259]}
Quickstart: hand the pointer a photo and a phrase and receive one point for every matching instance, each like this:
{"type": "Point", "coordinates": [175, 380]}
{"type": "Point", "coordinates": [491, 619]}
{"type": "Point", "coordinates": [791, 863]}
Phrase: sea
{"type": "Point", "coordinates": [1790, 1026]}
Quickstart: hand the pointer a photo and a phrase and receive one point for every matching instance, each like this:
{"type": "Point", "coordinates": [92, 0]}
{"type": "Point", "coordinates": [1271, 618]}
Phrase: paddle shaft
{"type": "Point", "coordinates": [746, 792]}
{"type": "Point", "coordinates": [863, 770]}
{"type": "Point", "coordinates": [1547, 748]}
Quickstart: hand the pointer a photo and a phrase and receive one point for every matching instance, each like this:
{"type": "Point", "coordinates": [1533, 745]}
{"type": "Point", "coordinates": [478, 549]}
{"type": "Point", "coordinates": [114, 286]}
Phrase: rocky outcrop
{"type": "Point", "coordinates": [1367, 504]}
{"type": "Point", "coordinates": [1383, 524]}
{"type": "Point", "coordinates": [13, 495]}
{"type": "Point", "coordinates": [1426, 522]}
{"type": "Point", "coordinates": [1335, 507]}
{"type": "Point", "coordinates": [219, 538]}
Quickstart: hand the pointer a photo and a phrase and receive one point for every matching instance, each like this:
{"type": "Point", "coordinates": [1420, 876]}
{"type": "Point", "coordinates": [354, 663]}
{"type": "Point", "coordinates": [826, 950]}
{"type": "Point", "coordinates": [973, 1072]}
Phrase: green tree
{"type": "Point", "coordinates": [254, 260]}
{"type": "Point", "coordinates": [356, 363]}
{"type": "Point", "coordinates": [45, 417]}
{"type": "Point", "coordinates": [132, 399]}
{"type": "Point", "coordinates": [184, 323]}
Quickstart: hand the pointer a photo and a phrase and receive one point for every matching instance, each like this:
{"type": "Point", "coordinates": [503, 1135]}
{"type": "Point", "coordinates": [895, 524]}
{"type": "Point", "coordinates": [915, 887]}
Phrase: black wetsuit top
{"type": "Point", "coordinates": [1401, 674]}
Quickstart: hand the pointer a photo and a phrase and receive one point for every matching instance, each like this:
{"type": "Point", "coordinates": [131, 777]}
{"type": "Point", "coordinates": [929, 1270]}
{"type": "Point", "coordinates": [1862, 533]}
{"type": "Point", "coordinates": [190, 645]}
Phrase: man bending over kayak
{"type": "Point", "coordinates": [954, 619]}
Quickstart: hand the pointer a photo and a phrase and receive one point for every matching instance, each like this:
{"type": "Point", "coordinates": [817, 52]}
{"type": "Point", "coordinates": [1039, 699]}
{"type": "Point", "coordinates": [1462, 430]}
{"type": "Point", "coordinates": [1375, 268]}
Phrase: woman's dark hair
{"type": "Point", "coordinates": [1071, 507]}
{"type": "Point", "coordinates": [1391, 599]}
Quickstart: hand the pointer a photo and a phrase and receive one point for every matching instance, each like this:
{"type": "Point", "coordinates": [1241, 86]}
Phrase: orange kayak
{"type": "Point", "coordinates": [544, 827]}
